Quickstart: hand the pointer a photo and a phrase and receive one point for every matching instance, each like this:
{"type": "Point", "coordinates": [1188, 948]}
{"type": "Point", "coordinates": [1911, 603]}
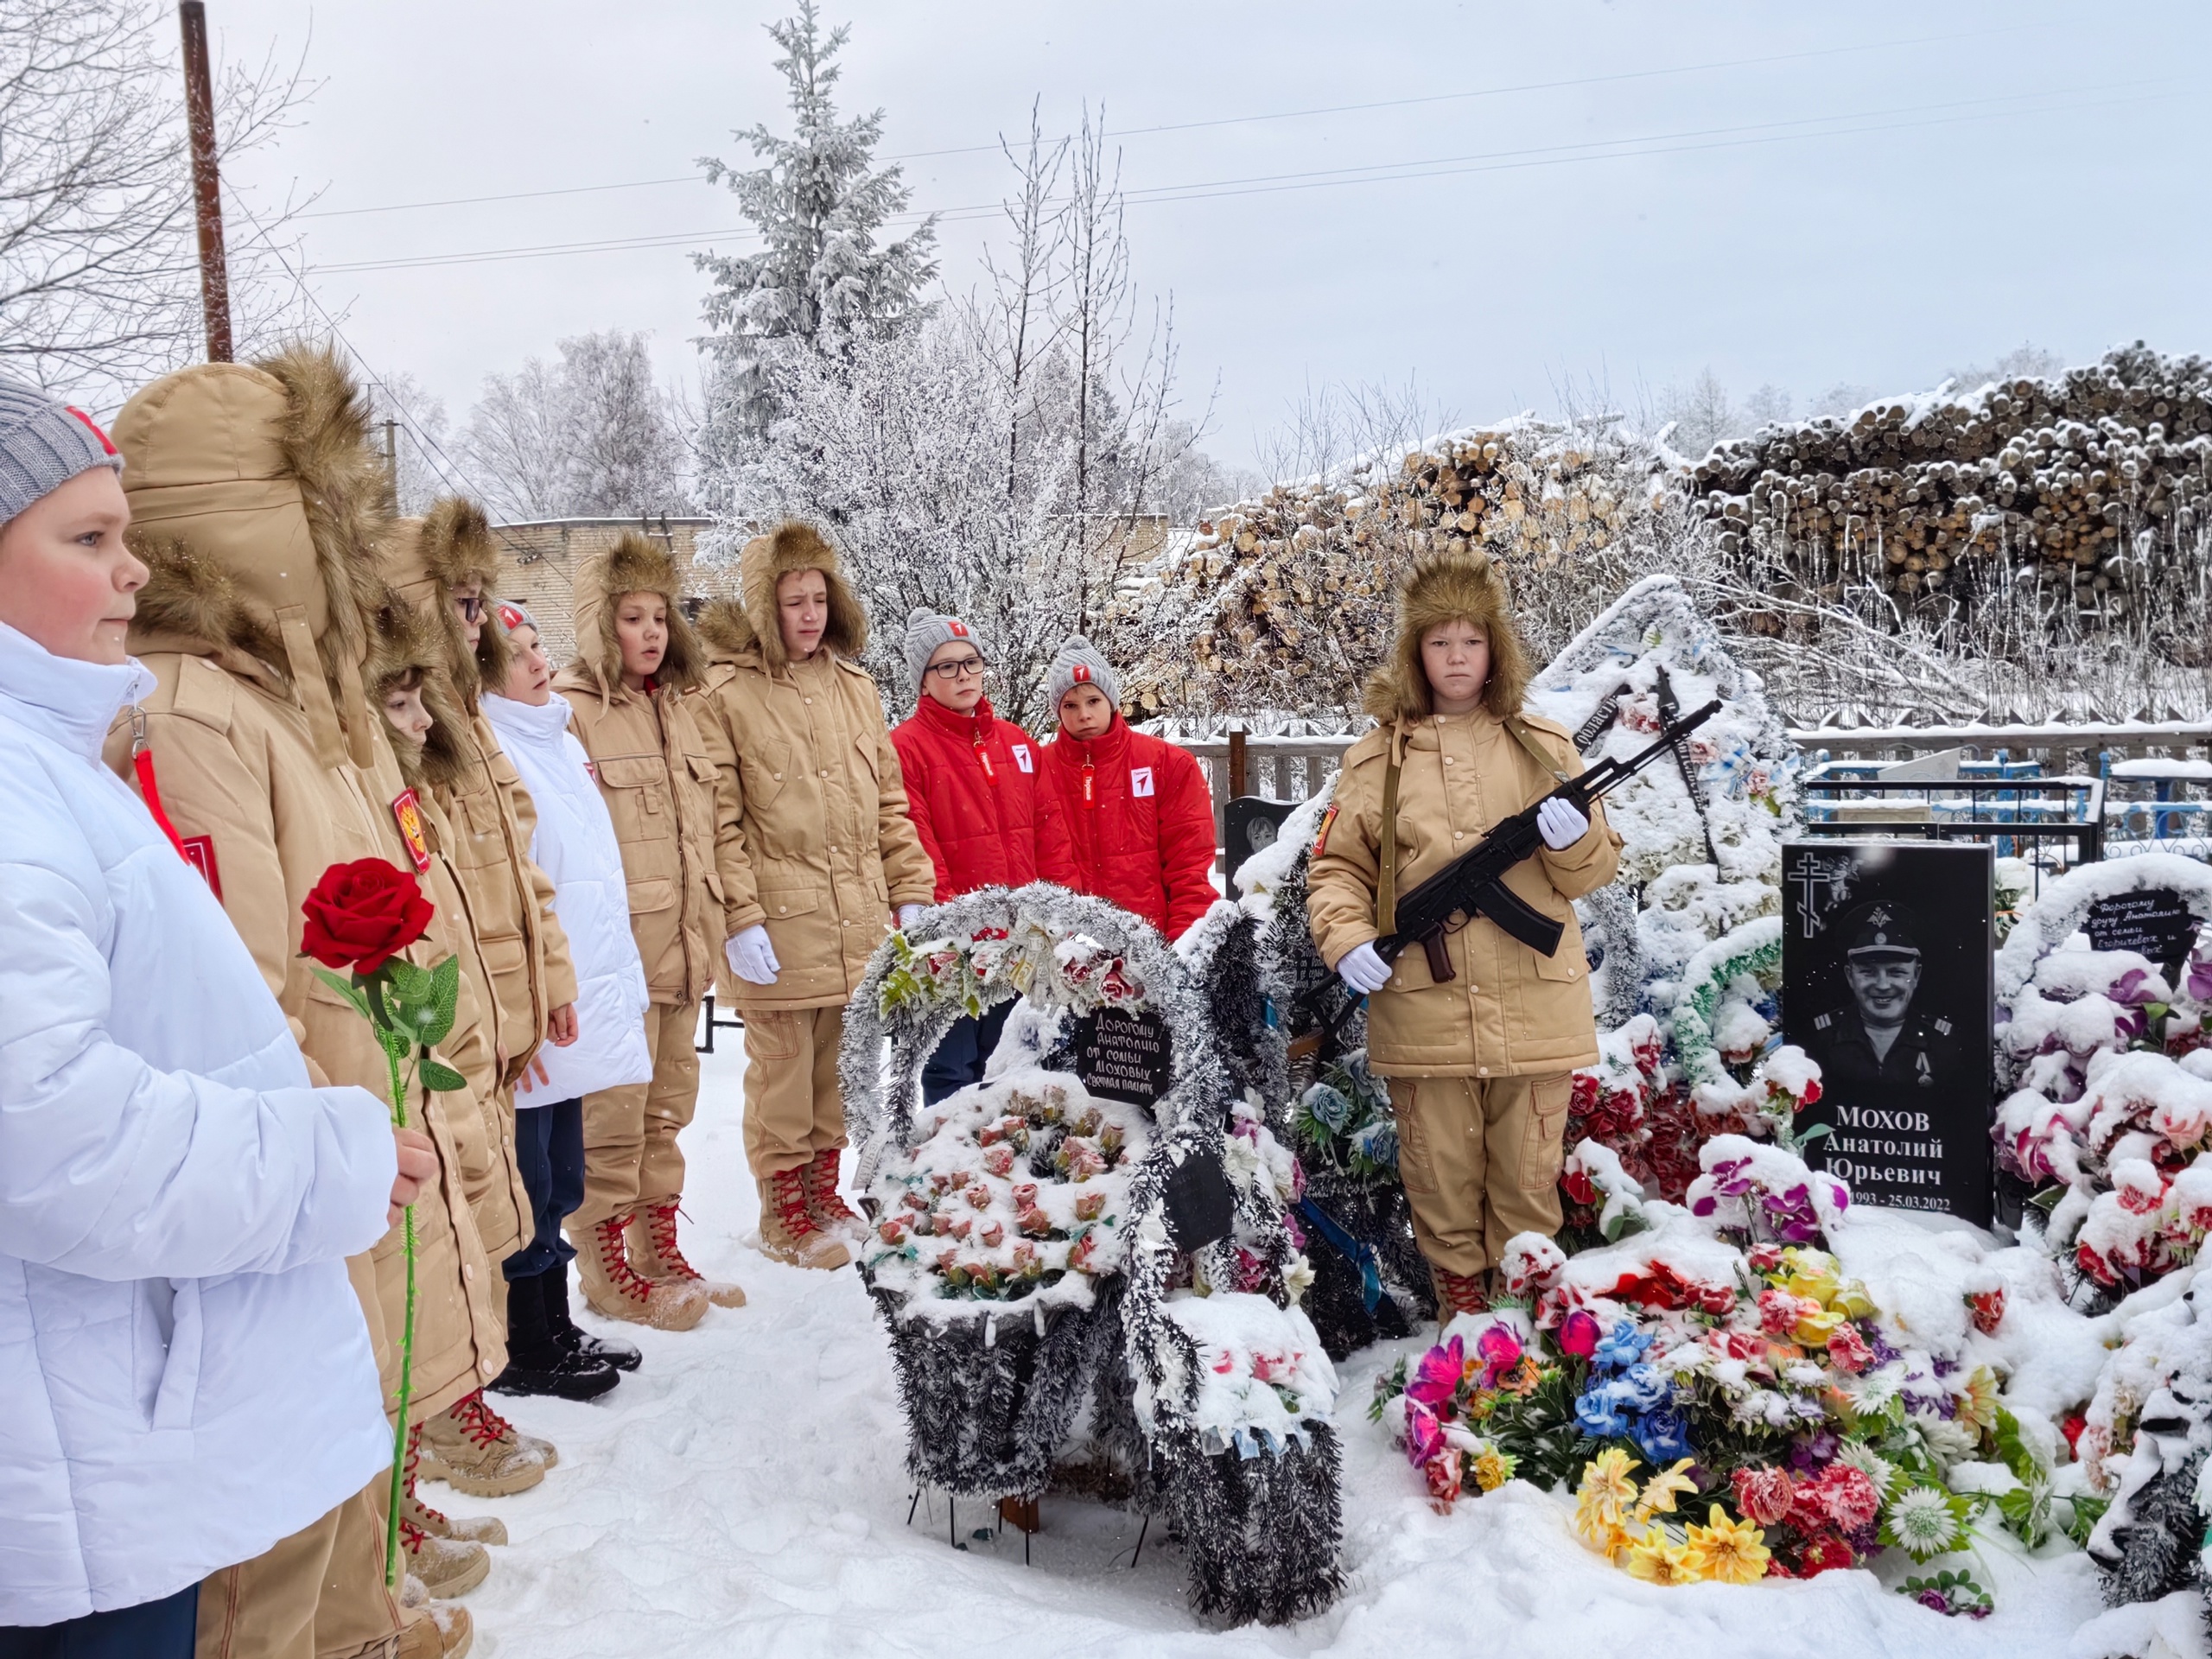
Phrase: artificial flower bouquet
{"type": "Point", "coordinates": [1720, 1346]}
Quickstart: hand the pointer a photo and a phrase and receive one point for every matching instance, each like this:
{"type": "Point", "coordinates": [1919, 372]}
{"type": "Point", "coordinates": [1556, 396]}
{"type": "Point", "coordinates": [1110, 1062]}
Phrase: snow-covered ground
{"type": "Point", "coordinates": [744, 1493]}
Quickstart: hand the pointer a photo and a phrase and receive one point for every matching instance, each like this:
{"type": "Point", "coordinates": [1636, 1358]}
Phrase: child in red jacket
{"type": "Point", "coordinates": [974, 793]}
{"type": "Point", "coordinates": [1139, 813]}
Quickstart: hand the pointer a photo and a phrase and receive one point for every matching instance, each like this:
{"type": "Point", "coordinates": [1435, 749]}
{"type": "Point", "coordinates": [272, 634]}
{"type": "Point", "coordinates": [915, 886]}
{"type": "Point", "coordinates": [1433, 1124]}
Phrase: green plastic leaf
{"type": "Point", "coordinates": [2085, 1512]}
{"type": "Point", "coordinates": [440, 1078]}
{"type": "Point", "coordinates": [445, 991]}
{"type": "Point", "coordinates": [356, 998]}
{"type": "Point", "coordinates": [409, 984]}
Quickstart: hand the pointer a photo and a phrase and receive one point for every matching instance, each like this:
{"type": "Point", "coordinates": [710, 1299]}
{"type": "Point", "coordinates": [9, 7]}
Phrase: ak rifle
{"type": "Point", "coordinates": [1473, 884]}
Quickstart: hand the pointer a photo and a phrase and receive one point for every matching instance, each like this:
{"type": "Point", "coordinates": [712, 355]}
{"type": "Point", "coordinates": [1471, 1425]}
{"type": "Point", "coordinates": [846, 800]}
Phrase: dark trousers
{"type": "Point", "coordinates": [960, 1058]}
{"type": "Point", "coordinates": [550, 1150]}
{"type": "Point", "coordinates": [153, 1630]}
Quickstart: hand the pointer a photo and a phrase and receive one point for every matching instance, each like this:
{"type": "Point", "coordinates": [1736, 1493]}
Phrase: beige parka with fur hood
{"type": "Point", "coordinates": [811, 836]}
{"type": "Point", "coordinates": [255, 499]}
{"type": "Point", "coordinates": [1509, 1012]}
{"type": "Point", "coordinates": [654, 773]}
{"type": "Point", "coordinates": [485, 805]}
{"type": "Point", "coordinates": [404, 642]}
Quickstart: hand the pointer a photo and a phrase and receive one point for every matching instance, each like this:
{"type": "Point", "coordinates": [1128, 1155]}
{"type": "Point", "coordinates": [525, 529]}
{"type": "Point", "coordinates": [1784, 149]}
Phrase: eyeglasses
{"type": "Point", "coordinates": [471, 608]}
{"type": "Point", "coordinates": [958, 668]}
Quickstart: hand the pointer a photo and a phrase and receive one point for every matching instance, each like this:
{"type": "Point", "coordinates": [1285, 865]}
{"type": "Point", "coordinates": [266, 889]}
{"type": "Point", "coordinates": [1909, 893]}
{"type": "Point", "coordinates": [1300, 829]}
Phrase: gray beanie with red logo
{"type": "Point", "coordinates": [43, 444]}
{"type": "Point", "coordinates": [1079, 663]}
{"type": "Point", "coordinates": [926, 631]}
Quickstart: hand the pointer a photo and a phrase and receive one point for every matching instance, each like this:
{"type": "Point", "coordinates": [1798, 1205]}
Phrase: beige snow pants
{"type": "Point", "coordinates": [630, 1152]}
{"type": "Point", "coordinates": [1480, 1158]}
{"type": "Point", "coordinates": [793, 1106]}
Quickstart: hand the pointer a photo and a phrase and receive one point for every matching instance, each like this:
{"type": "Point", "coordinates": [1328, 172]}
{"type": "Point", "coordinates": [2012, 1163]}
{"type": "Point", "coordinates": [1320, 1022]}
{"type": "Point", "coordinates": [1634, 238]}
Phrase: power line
{"type": "Point", "coordinates": [426, 445]}
{"type": "Point", "coordinates": [1377, 172]}
{"type": "Point", "coordinates": [1225, 120]}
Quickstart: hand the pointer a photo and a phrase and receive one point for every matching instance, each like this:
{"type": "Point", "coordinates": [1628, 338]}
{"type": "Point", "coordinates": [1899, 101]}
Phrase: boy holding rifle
{"type": "Point", "coordinates": [1477, 1035]}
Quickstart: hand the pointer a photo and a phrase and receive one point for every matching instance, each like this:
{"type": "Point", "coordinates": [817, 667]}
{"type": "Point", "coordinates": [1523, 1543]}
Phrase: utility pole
{"type": "Point", "coordinates": [207, 186]}
{"type": "Point", "coordinates": [392, 462]}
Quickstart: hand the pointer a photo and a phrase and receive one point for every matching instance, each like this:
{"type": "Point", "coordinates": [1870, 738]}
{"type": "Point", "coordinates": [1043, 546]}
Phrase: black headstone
{"type": "Point", "coordinates": [1249, 825]}
{"type": "Point", "coordinates": [2154, 923]}
{"type": "Point", "coordinates": [1122, 1056]}
{"type": "Point", "coordinates": [1908, 1107]}
{"type": "Point", "coordinates": [1199, 1204]}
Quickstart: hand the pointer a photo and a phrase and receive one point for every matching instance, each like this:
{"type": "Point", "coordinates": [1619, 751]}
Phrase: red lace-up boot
{"type": "Point", "coordinates": [612, 1287]}
{"type": "Point", "coordinates": [788, 1231]}
{"type": "Point", "coordinates": [658, 1259]}
{"type": "Point", "coordinates": [830, 1211]}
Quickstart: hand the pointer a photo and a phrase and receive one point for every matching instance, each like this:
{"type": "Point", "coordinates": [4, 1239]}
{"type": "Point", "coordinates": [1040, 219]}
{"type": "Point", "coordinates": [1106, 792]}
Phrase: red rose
{"type": "Point", "coordinates": [363, 914]}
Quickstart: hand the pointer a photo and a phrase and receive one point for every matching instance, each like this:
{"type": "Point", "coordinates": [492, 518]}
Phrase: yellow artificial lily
{"type": "Point", "coordinates": [1663, 1489]}
{"type": "Point", "coordinates": [1725, 1552]}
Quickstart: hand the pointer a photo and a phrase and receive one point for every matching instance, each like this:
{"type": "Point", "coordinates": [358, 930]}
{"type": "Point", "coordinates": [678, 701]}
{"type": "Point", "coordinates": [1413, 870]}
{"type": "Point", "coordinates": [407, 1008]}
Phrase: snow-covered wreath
{"type": "Point", "coordinates": [1037, 1247]}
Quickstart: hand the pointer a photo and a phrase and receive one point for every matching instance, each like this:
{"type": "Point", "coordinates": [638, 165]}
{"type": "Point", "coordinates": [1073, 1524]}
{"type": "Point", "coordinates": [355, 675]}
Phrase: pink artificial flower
{"type": "Point", "coordinates": [1437, 1378]}
{"type": "Point", "coordinates": [1579, 1334]}
{"type": "Point", "coordinates": [1501, 1351]}
{"type": "Point", "coordinates": [1424, 1434]}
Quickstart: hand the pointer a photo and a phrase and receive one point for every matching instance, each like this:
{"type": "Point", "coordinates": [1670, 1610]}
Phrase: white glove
{"type": "Point", "coordinates": [1363, 969]}
{"type": "Point", "coordinates": [1560, 824]}
{"type": "Point", "coordinates": [908, 915]}
{"type": "Point", "coordinates": [752, 958]}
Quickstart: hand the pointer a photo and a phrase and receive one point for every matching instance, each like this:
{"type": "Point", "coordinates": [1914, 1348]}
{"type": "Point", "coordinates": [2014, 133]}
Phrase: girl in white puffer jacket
{"type": "Point", "coordinates": [186, 1378]}
{"type": "Point", "coordinates": [574, 842]}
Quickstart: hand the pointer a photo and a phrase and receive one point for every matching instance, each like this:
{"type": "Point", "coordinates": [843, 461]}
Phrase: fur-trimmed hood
{"type": "Point", "coordinates": [404, 640]}
{"type": "Point", "coordinates": [426, 559]}
{"type": "Point", "coordinates": [1450, 587]}
{"type": "Point", "coordinates": [635, 565]}
{"type": "Point", "coordinates": [257, 504]}
{"type": "Point", "coordinates": [735, 628]}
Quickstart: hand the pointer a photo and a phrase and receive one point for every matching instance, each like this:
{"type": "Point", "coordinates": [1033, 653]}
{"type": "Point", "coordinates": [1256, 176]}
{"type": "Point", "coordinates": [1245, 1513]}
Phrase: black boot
{"type": "Point", "coordinates": [620, 1355]}
{"type": "Point", "coordinates": [537, 1362]}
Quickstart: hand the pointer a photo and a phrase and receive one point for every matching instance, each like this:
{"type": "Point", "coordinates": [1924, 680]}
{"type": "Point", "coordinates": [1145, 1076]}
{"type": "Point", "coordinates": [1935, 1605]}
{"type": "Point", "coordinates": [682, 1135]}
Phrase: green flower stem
{"type": "Point", "coordinates": [406, 1331]}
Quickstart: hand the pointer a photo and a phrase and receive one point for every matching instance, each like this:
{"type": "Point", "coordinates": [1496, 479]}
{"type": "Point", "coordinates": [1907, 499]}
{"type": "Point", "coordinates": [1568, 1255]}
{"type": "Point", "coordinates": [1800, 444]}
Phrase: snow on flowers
{"type": "Point", "coordinates": [1723, 1347]}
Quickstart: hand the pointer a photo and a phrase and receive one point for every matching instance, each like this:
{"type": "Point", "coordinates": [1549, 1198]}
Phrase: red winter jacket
{"type": "Point", "coordinates": [980, 808]}
{"type": "Point", "coordinates": [1144, 836]}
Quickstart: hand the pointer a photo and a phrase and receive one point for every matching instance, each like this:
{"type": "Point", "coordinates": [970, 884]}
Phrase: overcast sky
{"type": "Point", "coordinates": [1570, 193]}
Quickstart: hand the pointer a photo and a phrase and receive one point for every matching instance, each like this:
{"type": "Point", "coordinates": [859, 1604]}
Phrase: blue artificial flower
{"type": "Point", "coordinates": [1642, 1388]}
{"type": "Point", "coordinates": [1662, 1436]}
{"type": "Point", "coordinates": [1328, 1106]}
{"type": "Point", "coordinates": [1599, 1413]}
{"type": "Point", "coordinates": [1624, 1348]}
{"type": "Point", "coordinates": [1378, 1143]}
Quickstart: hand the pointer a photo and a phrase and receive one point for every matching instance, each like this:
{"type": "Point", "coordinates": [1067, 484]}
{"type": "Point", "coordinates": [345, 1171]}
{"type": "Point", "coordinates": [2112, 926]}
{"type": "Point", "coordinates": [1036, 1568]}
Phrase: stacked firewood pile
{"type": "Point", "coordinates": [1286, 603]}
{"type": "Point", "coordinates": [2088, 486]}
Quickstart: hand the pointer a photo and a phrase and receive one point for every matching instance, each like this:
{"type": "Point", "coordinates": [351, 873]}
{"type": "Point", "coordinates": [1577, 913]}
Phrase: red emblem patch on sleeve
{"type": "Point", "coordinates": [1321, 840]}
{"type": "Point", "coordinates": [199, 852]}
{"type": "Point", "coordinates": [407, 811]}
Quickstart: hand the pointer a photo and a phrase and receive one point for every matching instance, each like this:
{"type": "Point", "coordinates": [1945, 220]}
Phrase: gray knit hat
{"type": "Point", "coordinates": [926, 631]}
{"type": "Point", "coordinates": [43, 445]}
{"type": "Point", "coordinates": [1079, 663]}
{"type": "Point", "coordinates": [512, 616]}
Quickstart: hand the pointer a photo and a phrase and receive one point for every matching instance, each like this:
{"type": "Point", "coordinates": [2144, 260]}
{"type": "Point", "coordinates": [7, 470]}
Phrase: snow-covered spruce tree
{"type": "Point", "coordinates": [827, 280]}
